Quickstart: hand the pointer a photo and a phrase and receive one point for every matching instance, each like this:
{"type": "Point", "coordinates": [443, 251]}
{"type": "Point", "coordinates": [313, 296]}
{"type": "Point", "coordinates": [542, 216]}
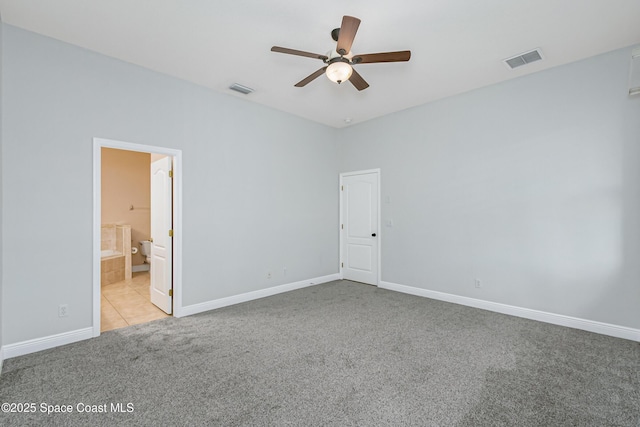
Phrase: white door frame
{"type": "Point", "coordinates": [379, 254]}
{"type": "Point", "coordinates": [98, 144]}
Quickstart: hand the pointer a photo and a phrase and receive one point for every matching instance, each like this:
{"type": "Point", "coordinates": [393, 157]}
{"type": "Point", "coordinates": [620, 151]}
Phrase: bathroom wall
{"type": "Point", "coordinates": [126, 183]}
{"type": "Point", "coordinates": [155, 157]}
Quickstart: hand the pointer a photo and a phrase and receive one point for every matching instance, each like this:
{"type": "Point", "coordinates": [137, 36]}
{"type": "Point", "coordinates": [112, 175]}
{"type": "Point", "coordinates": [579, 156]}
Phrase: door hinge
{"type": "Point", "coordinates": [342, 187]}
{"type": "Point", "coordinates": [171, 173]}
{"type": "Point", "coordinates": [170, 292]}
{"type": "Point", "coordinates": [342, 264]}
{"type": "Point", "coordinates": [170, 233]}
{"type": "Point", "coordinates": [342, 226]}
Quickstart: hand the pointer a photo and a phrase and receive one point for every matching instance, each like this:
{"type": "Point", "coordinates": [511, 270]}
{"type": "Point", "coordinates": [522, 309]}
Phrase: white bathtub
{"type": "Point", "coordinates": [109, 253]}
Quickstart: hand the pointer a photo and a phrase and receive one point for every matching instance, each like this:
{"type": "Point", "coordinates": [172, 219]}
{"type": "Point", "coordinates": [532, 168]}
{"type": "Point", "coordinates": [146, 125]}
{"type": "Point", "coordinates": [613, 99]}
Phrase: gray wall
{"type": "Point", "coordinates": [1, 186]}
{"type": "Point", "coordinates": [531, 186]}
{"type": "Point", "coordinates": [260, 186]}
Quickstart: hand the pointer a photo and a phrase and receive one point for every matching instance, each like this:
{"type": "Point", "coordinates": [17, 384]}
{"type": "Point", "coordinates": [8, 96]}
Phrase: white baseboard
{"type": "Point", "coordinates": [31, 346]}
{"type": "Point", "coordinates": [1, 358]}
{"type": "Point", "coordinates": [249, 296]}
{"type": "Point", "coordinates": [541, 316]}
{"type": "Point", "coordinates": [38, 344]}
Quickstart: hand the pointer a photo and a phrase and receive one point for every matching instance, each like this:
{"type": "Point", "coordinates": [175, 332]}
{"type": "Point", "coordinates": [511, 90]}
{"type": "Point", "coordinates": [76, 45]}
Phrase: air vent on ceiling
{"type": "Point", "coordinates": [523, 59]}
{"type": "Point", "coordinates": [240, 88]}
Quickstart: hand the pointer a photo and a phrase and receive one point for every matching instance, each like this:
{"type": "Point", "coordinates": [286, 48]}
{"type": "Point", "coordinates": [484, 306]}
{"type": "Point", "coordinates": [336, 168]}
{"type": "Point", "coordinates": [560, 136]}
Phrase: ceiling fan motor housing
{"type": "Point", "coordinates": [333, 55]}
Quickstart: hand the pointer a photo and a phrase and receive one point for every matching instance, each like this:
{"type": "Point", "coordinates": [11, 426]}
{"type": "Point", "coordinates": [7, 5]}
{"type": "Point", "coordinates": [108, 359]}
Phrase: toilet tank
{"type": "Point", "coordinates": [145, 247]}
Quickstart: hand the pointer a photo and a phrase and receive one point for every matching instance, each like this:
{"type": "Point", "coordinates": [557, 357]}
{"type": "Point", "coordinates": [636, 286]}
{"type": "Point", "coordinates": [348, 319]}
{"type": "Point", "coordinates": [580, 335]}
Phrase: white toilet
{"type": "Point", "coordinates": [145, 250]}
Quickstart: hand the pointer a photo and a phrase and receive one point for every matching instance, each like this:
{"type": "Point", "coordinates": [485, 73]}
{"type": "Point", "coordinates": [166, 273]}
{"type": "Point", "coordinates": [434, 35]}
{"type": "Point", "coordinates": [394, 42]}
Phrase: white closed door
{"type": "Point", "coordinates": [161, 232]}
{"type": "Point", "coordinates": [359, 228]}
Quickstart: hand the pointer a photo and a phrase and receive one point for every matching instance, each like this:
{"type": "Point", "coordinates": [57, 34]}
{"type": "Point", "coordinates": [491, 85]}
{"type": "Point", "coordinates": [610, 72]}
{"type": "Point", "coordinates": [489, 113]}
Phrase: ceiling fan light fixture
{"type": "Point", "coordinates": [339, 71]}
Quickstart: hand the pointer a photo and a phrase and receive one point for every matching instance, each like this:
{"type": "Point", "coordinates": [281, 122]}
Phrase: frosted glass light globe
{"type": "Point", "coordinates": [339, 71]}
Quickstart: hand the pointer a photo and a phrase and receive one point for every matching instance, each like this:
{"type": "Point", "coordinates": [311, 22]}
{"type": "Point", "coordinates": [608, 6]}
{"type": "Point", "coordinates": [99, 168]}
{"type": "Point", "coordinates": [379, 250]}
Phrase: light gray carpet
{"type": "Point", "coordinates": [336, 354]}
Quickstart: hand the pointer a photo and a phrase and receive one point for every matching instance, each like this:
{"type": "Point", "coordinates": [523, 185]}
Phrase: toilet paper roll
{"type": "Point", "coordinates": [134, 250]}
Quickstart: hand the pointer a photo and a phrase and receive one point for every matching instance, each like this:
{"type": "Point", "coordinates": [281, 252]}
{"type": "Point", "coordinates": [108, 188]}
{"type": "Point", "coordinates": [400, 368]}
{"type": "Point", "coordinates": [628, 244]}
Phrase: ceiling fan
{"type": "Point", "coordinates": [340, 62]}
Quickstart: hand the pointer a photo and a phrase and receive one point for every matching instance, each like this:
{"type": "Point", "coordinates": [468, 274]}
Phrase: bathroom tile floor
{"type": "Point", "coordinates": [127, 303]}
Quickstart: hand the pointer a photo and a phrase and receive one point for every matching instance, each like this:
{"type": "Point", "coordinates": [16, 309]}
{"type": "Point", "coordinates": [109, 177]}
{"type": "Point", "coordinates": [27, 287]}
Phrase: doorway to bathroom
{"type": "Point", "coordinates": [137, 244]}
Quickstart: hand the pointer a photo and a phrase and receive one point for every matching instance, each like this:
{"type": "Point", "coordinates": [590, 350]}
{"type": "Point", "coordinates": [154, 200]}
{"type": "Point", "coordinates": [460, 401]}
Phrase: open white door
{"type": "Point", "coordinates": [161, 234]}
{"type": "Point", "coordinates": [360, 227]}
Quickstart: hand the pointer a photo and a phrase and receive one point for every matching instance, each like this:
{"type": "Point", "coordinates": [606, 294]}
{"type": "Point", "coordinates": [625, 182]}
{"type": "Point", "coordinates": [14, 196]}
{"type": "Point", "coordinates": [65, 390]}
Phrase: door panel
{"type": "Point", "coordinates": [359, 215]}
{"type": "Point", "coordinates": [162, 243]}
{"type": "Point", "coordinates": [360, 228]}
{"type": "Point", "coordinates": [359, 257]}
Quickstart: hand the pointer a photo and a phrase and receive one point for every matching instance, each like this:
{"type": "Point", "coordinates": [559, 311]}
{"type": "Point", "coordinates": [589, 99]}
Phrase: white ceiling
{"type": "Point", "coordinates": [456, 45]}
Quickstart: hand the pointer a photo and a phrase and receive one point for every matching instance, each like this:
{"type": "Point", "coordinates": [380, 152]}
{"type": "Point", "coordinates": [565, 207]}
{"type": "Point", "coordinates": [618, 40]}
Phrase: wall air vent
{"type": "Point", "coordinates": [523, 59]}
{"type": "Point", "coordinates": [240, 88]}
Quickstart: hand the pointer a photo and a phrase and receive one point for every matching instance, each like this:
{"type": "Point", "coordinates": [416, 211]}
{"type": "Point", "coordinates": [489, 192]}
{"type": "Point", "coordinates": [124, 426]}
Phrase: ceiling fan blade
{"type": "Point", "coordinates": [311, 77]}
{"type": "Point", "coordinates": [298, 52]}
{"type": "Point", "coordinates": [348, 31]}
{"type": "Point", "coordinates": [357, 80]}
{"type": "Point", "coordinates": [369, 58]}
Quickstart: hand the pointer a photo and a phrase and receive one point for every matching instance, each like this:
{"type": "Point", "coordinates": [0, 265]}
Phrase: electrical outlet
{"type": "Point", "coordinates": [63, 310]}
{"type": "Point", "coordinates": [284, 271]}
{"type": "Point", "coordinates": [478, 283]}
{"type": "Point", "coordinates": [269, 275]}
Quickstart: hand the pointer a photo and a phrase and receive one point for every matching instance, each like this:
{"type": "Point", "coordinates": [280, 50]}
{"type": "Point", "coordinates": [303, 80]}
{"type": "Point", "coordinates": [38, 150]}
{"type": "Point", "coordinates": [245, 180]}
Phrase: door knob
{"type": "Point", "coordinates": [373, 235]}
